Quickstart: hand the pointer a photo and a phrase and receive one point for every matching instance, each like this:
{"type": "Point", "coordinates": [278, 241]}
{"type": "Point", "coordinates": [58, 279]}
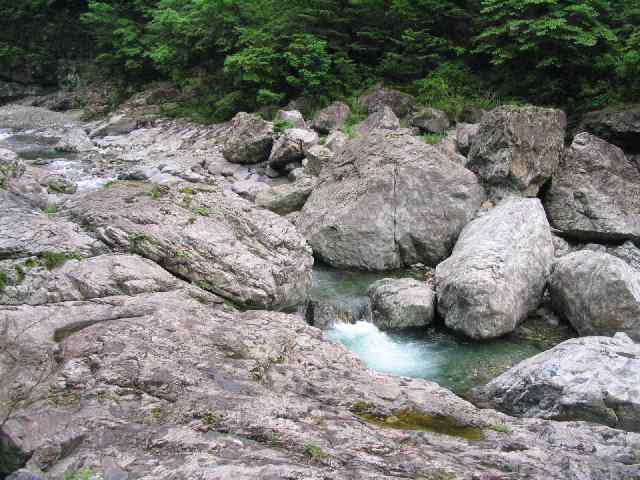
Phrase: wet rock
{"type": "Point", "coordinates": [217, 240]}
{"type": "Point", "coordinates": [388, 200]}
{"type": "Point", "coordinates": [517, 149]}
{"type": "Point", "coordinates": [498, 270]}
{"type": "Point", "coordinates": [401, 303]}
{"type": "Point", "coordinates": [294, 117]}
{"type": "Point", "coordinates": [60, 184]}
{"type": "Point", "coordinates": [250, 139]}
{"type": "Point", "coordinates": [430, 120]}
{"type": "Point", "coordinates": [597, 293]}
{"type": "Point", "coordinates": [464, 134]}
{"type": "Point", "coordinates": [595, 195]}
{"type": "Point", "coordinates": [379, 97]}
{"type": "Point", "coordinates": [287, 198]}
{"type": "Point", "coordinates": [594, 379]}
{"type": "Point", "coordinates": [331, 118]}
{"type": "Point", "coordinates": [290, 147]}
{"type": "Point", "coordinates": [317, 157]}
{"type": "Point", "coordinates": [619, 127]}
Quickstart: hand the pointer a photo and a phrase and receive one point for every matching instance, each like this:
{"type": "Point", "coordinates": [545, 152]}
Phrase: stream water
{"type": "Point", "coordinates": [433, 352]}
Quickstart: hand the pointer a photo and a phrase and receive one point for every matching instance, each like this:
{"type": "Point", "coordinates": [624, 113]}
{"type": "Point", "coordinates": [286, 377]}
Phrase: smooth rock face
{"type": "Point", "coordinates": [401, 303]}
{"type": "Point", "coordinates": [594, 379]}
{"type": "Point", "coordinates": [217, 240]}
{"type": "Point", "coordinates": [116, 125]}
{"type": "Point", "coordinates": [250, 139]}
{"type": "Point", "coordinates": [595, 194]}
{"type": "Point", "coordinates": [388, 200]}
{"type": "Point", "coordinates": [290, 147]}
{"type": "Point", "coordinates": [379, 97]}
{"type": "Point", "coordinates": [622, 128]}
{"type": "Point", "coordinates": [317, 157]}
{"type": "Point", "coordinates": [517, 150]}
{"type": "Point", "coordinates": [430, 120]}
{"type": "Point", "coordinates": [287, 198]}
{"type": "Point", "coordinates": [598, 293]}
{"type": "Point", "coordinates": [331, 118]}
{"type": "Point", "coordinates": [249, 188]}
{"type": "Point", "coordinates": [294, 117]}
{"type": "Point", "coordinates": [497, 272]}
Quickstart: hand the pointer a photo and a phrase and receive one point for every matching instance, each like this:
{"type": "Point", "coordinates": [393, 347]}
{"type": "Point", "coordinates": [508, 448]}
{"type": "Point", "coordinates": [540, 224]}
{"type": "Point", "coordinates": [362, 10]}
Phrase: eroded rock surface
{"type": "Point", "coordinates": [401, 303]}
{"type": "Point", "coordinates": [387, 200]}
{"type": "Point", "coordinates": [498, 270]}
{"type": "Point", "coordinates": [250, 139]}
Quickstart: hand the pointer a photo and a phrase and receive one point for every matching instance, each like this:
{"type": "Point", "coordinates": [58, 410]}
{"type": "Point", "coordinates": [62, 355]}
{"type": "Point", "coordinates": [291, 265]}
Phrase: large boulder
{"type": "Point", "coordinates": [595, 195]}
{"type": "Point", "coordinates": [594, 379]}
{"type": "Point", "coordinates": [620, 127]}
{"type": "Point", "coordinates": [598, 293]}
{"type": "Point", "coordinates": [331, 118]}
{"type": "Point", "coordinates": [388, 200]}
{"type": "Point", "coordinates": [430, 120]}
{"type": "Point", "coordinates": [11, 167]}
{"type": "Point", "coordinates": [517, 150]}
{"type": "Point", "coordinates": [250, 139]}
{"type": "Point", "coordinates": [293, 117]}
{"type": "Point", "coordinates": [286, 198]}
{"type": "Point", "coordinates": [75, 140]}
{"type": "Point", "coordinates": [119, 124]}
{"type": "Point", "coordinates": [464, 134]}
{"type": "Point", "coordinates": [498, 270]}
{"type": "Point", "coordinates": [401, 303]}
{"type": "Point", "coordinates": [379, 97]}
{"type": "Point", "coordinates": [290, 147]}
{"type": "Point", "coordinates": [316, 158]}
{"type": "Point", "coordinates": [215, 239]}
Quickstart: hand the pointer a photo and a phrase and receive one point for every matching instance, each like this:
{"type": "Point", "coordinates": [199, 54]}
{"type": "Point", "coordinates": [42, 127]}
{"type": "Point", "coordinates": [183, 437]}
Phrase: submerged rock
{"type": "Point", "coordinates": [250, 139]}
{"type": "Point", "coordinates": [597, 293]}
{"type": "Point", "coordinates": [595, 195]}
{"type": "Point", "coordinates": [498, 270]}
{"type": "Point", "coordinates": [218, 240]}
{"type": "Point", "coordinates": [401, 303]}
{"type": "Point", "coordinates": [594, 379]}
{"type": "Point", "coordinates": [516, 150]}
{"type": "Point", "coordinates": [388, 200]}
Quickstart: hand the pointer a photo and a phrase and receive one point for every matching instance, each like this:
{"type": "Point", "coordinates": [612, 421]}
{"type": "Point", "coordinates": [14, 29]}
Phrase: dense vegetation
{"type": "Point", "coordinates": [244, 54]}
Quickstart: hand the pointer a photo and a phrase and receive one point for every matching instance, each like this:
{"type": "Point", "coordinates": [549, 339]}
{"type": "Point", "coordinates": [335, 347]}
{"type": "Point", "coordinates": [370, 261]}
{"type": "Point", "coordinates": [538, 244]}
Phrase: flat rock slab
{"type": "Point", "coordinates": [599, 294]}
{"type": "Point", "coordinates": [595, 379]}
{"type": "Point", "coordinates": [595, 194]}
{"type": "Point", "coordinates": [498, 270]}
{"type": "Point", "coordinates": [215, 239]}
{"type": "Point", "coordinates": [387, 200]}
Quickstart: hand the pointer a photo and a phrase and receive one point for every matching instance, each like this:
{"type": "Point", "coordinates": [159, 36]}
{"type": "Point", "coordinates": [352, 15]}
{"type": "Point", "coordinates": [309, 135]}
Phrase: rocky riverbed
{"type": "Point", "coordinates": [151, 270]}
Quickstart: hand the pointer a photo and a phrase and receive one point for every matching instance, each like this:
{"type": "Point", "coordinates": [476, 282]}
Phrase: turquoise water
{"type": "Point", "coordinates": [433, 353]}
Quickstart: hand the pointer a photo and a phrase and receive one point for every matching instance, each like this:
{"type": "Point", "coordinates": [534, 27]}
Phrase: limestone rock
{"type": "Point", "coordinates": [498, 270]}
{"type": "Point", "coordinates": [290, 147]}
{"type": "Point", "coordinates": [430, 120]}
{"type": "Point", "coordinates": [517, 149]}
{"type": "Point", "coordinates": [594, 379]}
{"type": "Point", "coordinates": [75, 140]}
{"type": "Point", "coordinates": [598, 293]}
{"type": "Point", "coordinates": [595, 195]}
{"type": "Point", "coordinates": [317, 157]}
{"type": "Point", "coordinates": [250, 139]}
{"type": "Point", "coordinates": [379, 97]}
{"type": "Point", "coordinates": [331, 118]}
{"type": "Point", "coordinates": [287, 198]}
{"type": "Point", "coordinates": [464, 134]}
{"type": "Point", "coordinates": [388, 200]}
{"type": "Point", "coordinates": [401, 303]}
{"type": "Point", "coordinates": [336, 141]}
{"type": "Point", "coordinates": [294, 117]}
{"type": "Point", "coordinates": [619, 127]}
{"type": "Point", "coordinates": [217, 240]}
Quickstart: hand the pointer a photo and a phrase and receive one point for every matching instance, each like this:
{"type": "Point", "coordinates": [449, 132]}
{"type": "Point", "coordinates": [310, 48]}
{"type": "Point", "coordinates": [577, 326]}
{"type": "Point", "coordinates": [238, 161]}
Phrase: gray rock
{"type": "Point", "coordinates": [59, 184]}
{"type": "Point", "coordinates": [23, 474]}
{"type": "Point", "coordinates": [594, 379]}
{"type": "Point", "coordinates": [595, 195]}
{"type": "Point", "coordinates": [140, 173]}
{"type": "Point", "coordinates": [336, 141]}
{"type": "Point", "coordinates": [11, 167]}
{"type": "Point", "coordinates": [401, 303]}
{"type": "Point", "coordinates": [11, 91]}
{"type": "Point", "coordinates": [430, 120]}
{"type": "Point", "coordinates": [331, 118]}
{"type": "Point", "coordinates": [250, 139]}
{"type": "Point", "coordinates": [464, 134]}
{"type": "Point", "coordinates": [296, 174]}
{"type": "Point", "coordinates": [119, 124]}
{"type": "Point", "coordinates": [388, 200]}
{"type": "Point", "coordinates": [287, 198]}
{"type": "Point", "coordinates": [24, 117]}
{"type": "Point", "coordinates": [471, 114]}
{"type": "Point", "coordinates": [217, 240]}
{"type": "Point", "coordinates": [290, 147]}
{"type": "Point", "coordinates": [317, 157]}
{"type": "Point", "coordinates": [628, 252]}
{"type": "Point", "coordinates": [379, 97]}
{"type": "Point", "coordinates": [382, 118]}
{"type": "Point", "coordinates": [619, 127]}
{"type": "Point", "coordinates": [75, 140]}
{"type": "Point", "coordinates": [294, 117]}
{"type": "Point", "coordinates": [597, 293]}
{"type": "Point", "coordinates": [249, 188]}
{"type": "Point", "coordinates": [498, 270]}
{"type": "Point", "coordinates": [517, 150]}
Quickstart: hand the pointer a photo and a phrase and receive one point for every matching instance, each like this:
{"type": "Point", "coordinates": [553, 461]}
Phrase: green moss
{"type": "Point", "coordinates": [31, 263]}
{"type": "Point", "coordinates": [412, 420]}
{"type": "Point", "coordinates": [501, 428]}
{"type": "Point", "coordinates": [3, 281]}
{"type": "Point", "coordinates": [280, 126]}
{"type": "Point", "coordinates": [314, 452]}
{"type": "Point", "coordinates": [20, 273]}
{"type": "Point", "coordinates": [158, 191]}
{"type": "Point", "coordinates": [203, 284]}
{"type": "Point", "coordinates": [137, 239]}
{"type": "Point", "coordinates": [211, 419]}
{"type": "Point", "coordinates": [202, 211]}
{"type": "Point", "coordinates": [187, 191]}
{"type": "Point", "coordinates": [433, 138]}
{"type": "Point", "coordinates": [53, 260]}
{"type": "Point", "coordinates": [84, 474]}
{"type": "Point", "coordinates": [51, 209]}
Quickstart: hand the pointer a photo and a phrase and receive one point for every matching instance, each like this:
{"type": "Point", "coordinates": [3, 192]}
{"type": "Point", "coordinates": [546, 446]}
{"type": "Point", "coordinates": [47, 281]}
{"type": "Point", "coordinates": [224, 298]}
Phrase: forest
{"type": "Point", "coordinates": [233, 55]}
